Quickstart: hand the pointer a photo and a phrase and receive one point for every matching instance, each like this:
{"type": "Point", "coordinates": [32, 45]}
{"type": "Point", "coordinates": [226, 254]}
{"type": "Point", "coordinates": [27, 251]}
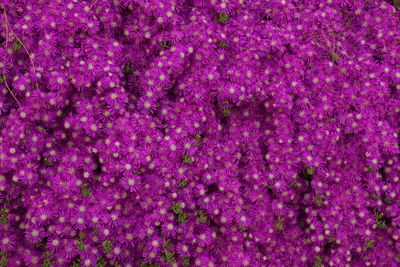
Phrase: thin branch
{"type": "Point", "coordinates": [9, 90]}
{"type": "Point", "coordinates": [22, 44]}
{"type": "Point", "coordinates": [92, 4]}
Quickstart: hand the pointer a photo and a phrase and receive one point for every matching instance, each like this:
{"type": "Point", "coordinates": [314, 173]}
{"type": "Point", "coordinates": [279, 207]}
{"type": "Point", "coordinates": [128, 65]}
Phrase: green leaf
{"type": "Point", "coordinates": [176, 208]}
{"type": "Point", "coordinates": [85, 191]}
{"type": "Point", "coordinates": [310, 170]}
{"type": "Point", "coordinates": [128, 69]}
{"type": "Point", "coordinates": [46, 263]}
{"type": "Point", "coordinates": [197, 138]}
{"type": "Point", "coordinates": [182, 217]}
{"type": "Point", "coordinates": [3, 211]}
{"type": "Point", "coordinates": [222, 44]}
{"type": "Point", "coordinates": [80, 245]}
{"type": "Point", "coordinates": [3, 261]}
{"type": "Point", "coordinates": [107, 246]}
{"type": "Point", "coordinates": [3, 220]}
{"type": "Point", "coordinates": [226, 112]}
{"type": "Point", "coordinates": [396, 3]}
{"type": "Point", "coordinates": [369, 243]}
{"type": "Point", "coordinates": [2, 78]}
{"type": "Point", "coordinates": [223, 18]}
{"type": "Point", "coordinates": [278, 224]}
{"type": "Point", "coordinates": [334, 56]}
{"type": "Point", "coordinates": [47, 255]}
{"type": "Point", "coordinates": [165, 44]}
{"type": "Point", "coordinates": [47, 162]}
{"type": "Point", "coordinates": [317, 261]}
{"type": "Point", "coordinates": [203, 219]}
{"type": "Point", "coordinates": [331, 239]}
{"type": "Point", "coordinates": [166, 244]}
{"type": "Point", "coordinates": [183, 183]}
{"type": "Point", "coordinates": [375, 196]}
{"type": "Point", "coordinates": [186, 261]}
{"type": "Point", "coordinates": [387, 200]}
{"type": "Point", "coordinates": [101, 262]}
{"type": "Point", "coordinates": [17, 45]}
{"type": "Point", "coordinates": [170, 257]}
{"type": "Point", "coordinates": [318, 199]}
{"type": "Point", "coordinates": [378, 215]}
{"type": "Point", "coordinates": [381, 224]}
{"type": "Point", "coordinates": [187, 159]}
{"type": "Point", "coordinates": [82, 236]}
{"type": "Point", "coordinates": [370, 169]}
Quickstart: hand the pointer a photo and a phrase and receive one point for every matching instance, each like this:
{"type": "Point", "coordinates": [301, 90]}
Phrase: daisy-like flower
{"type": "Point", "coordinates": [55, 244]}
{"type": "Point", "coordinates": [27, 176]}
{"type": "Point", "coordinates": [7, 242]}
{"type": "Point", "coordinates": [169, 229]}
{"type": "Point", "coordinates": [34, 235]}
{"type": "Point", "coordinates": [278, 208]}
{"type": "Point", "coordinates": [130, 182]}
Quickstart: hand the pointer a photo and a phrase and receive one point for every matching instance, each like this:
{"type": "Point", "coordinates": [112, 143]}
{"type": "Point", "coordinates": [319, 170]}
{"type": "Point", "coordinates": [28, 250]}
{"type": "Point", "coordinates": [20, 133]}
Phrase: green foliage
{"type": "Point", "coordinates": [182, 217]}
{"type": "Point", "coordinates": [80, 245]}
{"type": "Point", "coordinates": [331, 239]}
{"type": "Point", "coordinates": [170, 257]}
{"type": "Point", "coordinates": [183, 183]}
{"type": "Point", "coordinates": [310, 170]}
{"type": "Point", "coordinates": [186, 261]}
{"type": "Point", "coordinates": [3, 260]}
{"type": "Point", "coordinates": [17, 45]}
{"type": "Point", "coordinates": [223, 18]}
{"type": "Point", "coordinates": [379, 221]}
{"type": "Point", "coordinates": [187, 159]}
{"type": "Point", "coordinates": [202, 216]}
{"type": "Point", "coordinates": [3, 216]}
{"type": "Point", "coordinates": [101, 262]}
{"type": "Point", "coordinates": [226, 112]}
{"type": "Point", "coordinates": [41, 244]}
{"type": "Point", "coordinates": [222, 44]}
{"type": "Point", "coordinates": [197, 138]}
{"type": "Point", "coordinates": [128, 69]}
{"type": "Point", "coordinates": [107, 246]}
{"type": "Point", "coordinates": [166, 244]}
{"type": "Point", "coordinates": [47, 162]}
{"type": "Point", "coordinates": [85, 191]}
{"type": "Point", "coordinates": [334, 56]}
{"type": "Point", "coordinates": [76, 263]}
{"type": "Point", "coordinates": [369, 244]}
{"type": "Point", "coordinates": [176, 208]}
{"type": "Point", "coordinates": [279, 224]}
{"type": "Point", "coordinates": [375, 196]}
{"type": "Point", "coordinates": [370, 169]}
{"type": "Point", "coordinates": [317, 261]}
{"type": "Point", "coordinates": [165, 44]}
{"type": "Point", "coordinates": [318, 199]}
{"type": "Point", "coordinates": [47, 263]}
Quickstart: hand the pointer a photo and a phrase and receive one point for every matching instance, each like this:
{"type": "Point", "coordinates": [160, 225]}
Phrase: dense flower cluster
{"type": "Point", "coordinates": [199, 133]}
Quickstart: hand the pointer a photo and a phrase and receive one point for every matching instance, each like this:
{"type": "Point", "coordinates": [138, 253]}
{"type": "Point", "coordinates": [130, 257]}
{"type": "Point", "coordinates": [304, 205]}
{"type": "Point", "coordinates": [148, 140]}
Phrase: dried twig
{"type": "Point", "coordinates": [22, 44]}
{"type": "Point", "coordinates": [10, 91]}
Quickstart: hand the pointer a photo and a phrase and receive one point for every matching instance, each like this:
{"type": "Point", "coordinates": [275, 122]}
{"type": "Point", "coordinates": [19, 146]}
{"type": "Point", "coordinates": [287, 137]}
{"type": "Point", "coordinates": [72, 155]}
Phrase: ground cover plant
{"type": "Point", "coordinates": [199, 133]}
